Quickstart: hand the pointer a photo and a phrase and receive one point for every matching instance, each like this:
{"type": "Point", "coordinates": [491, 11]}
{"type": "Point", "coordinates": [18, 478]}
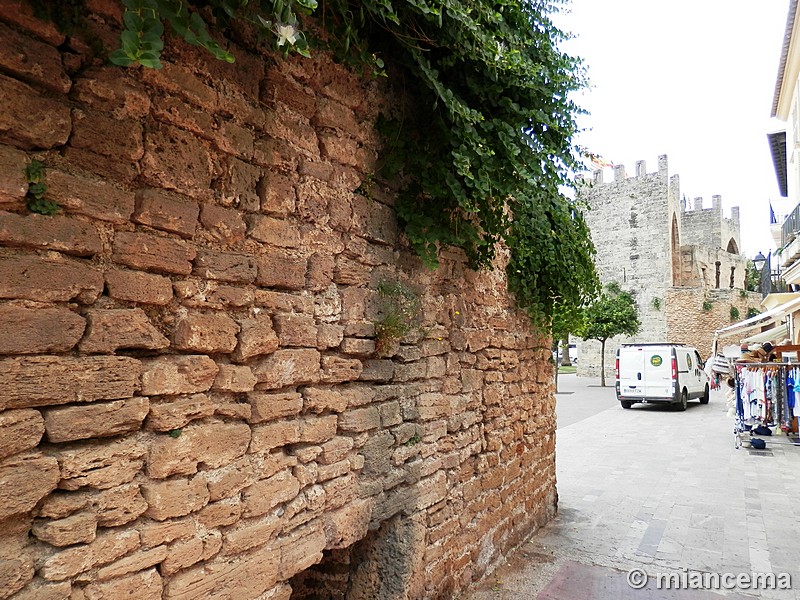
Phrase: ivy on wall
{"type": "Point", "coordinates": [489, 147]}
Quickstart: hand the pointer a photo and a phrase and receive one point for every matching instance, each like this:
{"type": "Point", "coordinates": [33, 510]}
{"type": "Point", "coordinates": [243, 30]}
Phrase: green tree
{"type": "Point", "coordinates": [752, 278]}
{"type": "Point", "coordinates": [613, 313]}
{"type": "Point", "coordinates": [567, 319]}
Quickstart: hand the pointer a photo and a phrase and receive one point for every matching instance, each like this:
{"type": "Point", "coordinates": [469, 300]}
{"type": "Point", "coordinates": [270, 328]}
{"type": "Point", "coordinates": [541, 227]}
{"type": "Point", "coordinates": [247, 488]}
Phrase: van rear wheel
{"type": "Point", "coordinates": [684, 401]}
{"type": "Point", "coordinates": [625, 403]}
{"type": "Point", "coordinates": [705, 397]}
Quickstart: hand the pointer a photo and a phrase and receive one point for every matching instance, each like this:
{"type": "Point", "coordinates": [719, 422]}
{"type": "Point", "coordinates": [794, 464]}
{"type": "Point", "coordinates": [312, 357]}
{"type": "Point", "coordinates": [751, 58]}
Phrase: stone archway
{"type": "Point", "coordinates": [733, 247]}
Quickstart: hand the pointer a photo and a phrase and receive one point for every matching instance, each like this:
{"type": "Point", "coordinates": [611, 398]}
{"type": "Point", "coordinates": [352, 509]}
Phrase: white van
{"type": "Point", "coordinates": [668, 373]}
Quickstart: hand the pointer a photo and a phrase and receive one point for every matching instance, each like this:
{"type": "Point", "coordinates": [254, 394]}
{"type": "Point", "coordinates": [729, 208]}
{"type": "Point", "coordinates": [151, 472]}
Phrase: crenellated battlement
{"type": "Point", "coordinates": [620, 174]}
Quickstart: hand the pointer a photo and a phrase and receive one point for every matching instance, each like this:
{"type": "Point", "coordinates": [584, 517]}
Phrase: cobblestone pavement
{"type": "Point", "coordinates": [663, 491]}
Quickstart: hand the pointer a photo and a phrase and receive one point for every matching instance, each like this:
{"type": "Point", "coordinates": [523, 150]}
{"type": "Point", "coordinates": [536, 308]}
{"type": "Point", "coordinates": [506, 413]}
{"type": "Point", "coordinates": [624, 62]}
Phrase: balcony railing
{"type": "Point", "coordinates": [791, 226]}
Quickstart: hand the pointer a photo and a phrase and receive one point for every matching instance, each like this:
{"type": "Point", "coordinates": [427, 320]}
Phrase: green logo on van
{"type": "Point", "coordinates": [656, 360]}
{"type": "Point", "coordinates": [689, 362]}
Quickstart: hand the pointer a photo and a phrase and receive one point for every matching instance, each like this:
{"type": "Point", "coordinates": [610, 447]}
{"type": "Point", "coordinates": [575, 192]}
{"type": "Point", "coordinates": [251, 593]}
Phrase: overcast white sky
{"type": "Point", "coordinates": [693, 79]}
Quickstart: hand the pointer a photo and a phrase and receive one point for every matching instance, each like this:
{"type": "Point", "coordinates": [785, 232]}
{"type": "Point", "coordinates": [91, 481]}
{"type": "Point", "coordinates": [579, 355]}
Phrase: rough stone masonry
{"type": "Point", "coordinates": [191, 403]}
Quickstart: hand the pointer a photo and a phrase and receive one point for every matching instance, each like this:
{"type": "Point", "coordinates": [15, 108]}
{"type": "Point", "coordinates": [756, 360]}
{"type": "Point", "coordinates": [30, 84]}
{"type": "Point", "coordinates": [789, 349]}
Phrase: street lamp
{"type": "Point", "coordinates": [758, 262]}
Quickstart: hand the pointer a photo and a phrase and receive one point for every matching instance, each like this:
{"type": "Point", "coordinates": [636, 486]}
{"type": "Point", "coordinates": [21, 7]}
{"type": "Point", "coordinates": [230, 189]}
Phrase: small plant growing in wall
{"type": "Point", "coordinates": [34, 175]}
{"type": "Point", "coordinates": [707, 305]}
{"type": "Point", "coordinates": [399, 313]}
{"type": "Point", "coordinates": [743, 294]}
{"type": "Point", "coordinates": [752, 312]}
{"type": "Point", "coordinates": [734, 313]}
{"type": "Point", "coordinates": [656, 303]}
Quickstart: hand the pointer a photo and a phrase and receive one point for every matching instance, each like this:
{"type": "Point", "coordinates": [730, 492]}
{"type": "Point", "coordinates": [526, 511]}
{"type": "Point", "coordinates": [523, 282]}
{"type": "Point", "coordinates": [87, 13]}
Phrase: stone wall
{"type": "Point", "coordinates": [192, 405]}
{"type": "Point", "coordinates": [690, 323]}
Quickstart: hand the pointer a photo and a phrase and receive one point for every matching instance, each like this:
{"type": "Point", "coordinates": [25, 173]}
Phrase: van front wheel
{"type": "Point", "coordinates": [684, 401]}
{"type": "Point", "coordinates": [706, 397]}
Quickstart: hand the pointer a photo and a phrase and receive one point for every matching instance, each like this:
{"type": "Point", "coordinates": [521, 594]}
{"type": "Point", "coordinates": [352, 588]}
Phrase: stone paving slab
{"type": "Point", "coordinates": [665, 491]}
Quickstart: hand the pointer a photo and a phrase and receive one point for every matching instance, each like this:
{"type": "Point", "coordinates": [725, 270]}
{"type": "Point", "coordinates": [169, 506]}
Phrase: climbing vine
{"type": "Point", "coordinates": [487, 150]}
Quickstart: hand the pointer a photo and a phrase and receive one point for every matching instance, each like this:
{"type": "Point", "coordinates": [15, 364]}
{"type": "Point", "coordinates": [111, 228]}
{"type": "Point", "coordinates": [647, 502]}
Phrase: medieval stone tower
{"type": "Point", "coordinates": [681, 262]}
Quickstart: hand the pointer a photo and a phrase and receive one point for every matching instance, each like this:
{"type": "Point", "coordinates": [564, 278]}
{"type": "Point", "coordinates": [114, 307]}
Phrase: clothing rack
{"type": "Point", "coordinates": [766, 398]}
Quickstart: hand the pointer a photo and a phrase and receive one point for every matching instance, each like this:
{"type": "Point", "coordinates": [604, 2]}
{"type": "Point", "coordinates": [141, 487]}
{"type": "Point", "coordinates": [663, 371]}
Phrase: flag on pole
{"type": "Point", "coordinates": [597, 161]}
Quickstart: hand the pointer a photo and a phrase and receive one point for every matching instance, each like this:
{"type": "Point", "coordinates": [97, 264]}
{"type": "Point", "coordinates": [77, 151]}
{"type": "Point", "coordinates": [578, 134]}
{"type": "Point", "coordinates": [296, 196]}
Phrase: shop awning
{"type": "Point", "coordinates": [770, 335]}
{"type": "Point", "coordinates": [771, 316]}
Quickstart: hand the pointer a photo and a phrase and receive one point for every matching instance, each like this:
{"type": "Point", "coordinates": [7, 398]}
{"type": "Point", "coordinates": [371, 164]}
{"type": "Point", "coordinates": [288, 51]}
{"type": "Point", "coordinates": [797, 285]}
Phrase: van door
{"type": "Point", "coordinates": [631, 372]}
{"type": "Point", "coordinates": [658, 372]}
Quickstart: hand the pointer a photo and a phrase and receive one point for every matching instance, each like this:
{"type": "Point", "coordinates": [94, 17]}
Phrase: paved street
{"type": "Point", "coordinates": [660, 490]}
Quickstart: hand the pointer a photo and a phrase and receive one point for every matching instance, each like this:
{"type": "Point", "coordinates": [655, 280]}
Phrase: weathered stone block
{"type": "Point", "coordinates": [168, 212]}
{"type": "Point", "coordinates": [214, 444]}
{"type": "Point", "coordinates": [101, 419]}
{"type": "Point", "coordinates": [154, 534]}
{"type": "Point", "coordinates": [180, 374]}
{"type": "Point", "coordinates": [301, 549]}
{"type": "Point", "coordinates": [182, 555]}
{"type": "Point", "coordinates": [219, 514]}
{"type": "Point", "coordinates": [196, 293]}
{"type": "Point", "coordinates": [234, 378]}
{"type": "Point", "coordinates": [44, 380]}
{"type": "Point", "coordinates": [237, 184]}
{"type": "Point", "coordinates": [269, 407]}
{"type": "Point", "coordinates": [272, 231]}
{"type": "Point", "coordinates": [30, 277]}
{"type": "Point", "coordinates": [120, 140]}
{"type": "Point", "coordinates": [224, 224]}
{"type": "Point", "coordinates": [329, 336]}
{"type": "Point", "coordinates": [175, 497]}
{"type": "Point", "coordinates": [99, 464]}
{"type": "Point", "coordinates": [288, 367]}
{"type": "Point", "coordinates": [256, 338]}
{"type": "Point", "coordinates": [30, 120]}
{"type": "Point", "coordinates": [107, 89]}
{"type": "Point", "coordinates": [320, 400]}
{"type": "Point", "coordinates": [152, 253]}
{"type": "Point", "coordinates": [48, 232]}
{"type": "Point", "coordinates": [225, 266]}
{"type": "Point", "coordinates": [13, 184]}
{"type": "Point", "coordinates": [296, 330]}
{"type": "Point", "coordinates": [176, 412]}
{"type": "Point", "coordinates": [90, 197]}
{"type": "Point", "coordinates": [109, 330]}
{"type": "Point", "coordinates": [274, 435]}
{"type": "Point", "coordinates": [278, 195]}
{"type": "Point", "coordinates": [206, 332]}
{"type": "Point", "coordinates": [336, 449]}
{"type": "Point", "coordinates": [143, 585]}
{"type": "Point", "coordinates": [21, 14]}
{"type": "Point", "coordinates": [316, 430]}
{"type": "Point", "coordinates": [337, 370]}
{"type": "Point", "coordinates": [19, 491]}
{"type": "Point", "coordinates": [360, 419]}
{"type": "Point", "coordinates": [107, 547]}
{"type": "Point", "coordinates": [267, 493]}
{"type": "Point", "coordinates": [33, 61]}
{"type": "Point", "coordinates": [20, 430]}
{"type": "Point", "coordinates": [246, 579]}
{"type": "Point", "coordinates": [278, 269]}
{"type": "Point", "coordinates": [136, 286]}
{"type": "Point", "coordinates": [43, 591]}
{"type": "Point", "coordinates": [38, 330]}
{"type": "Point", "coordinates": [76, 529]}
{"type": "Point", "coordinates": [15, 573]}
{"type": "Point", "coordinates": [347, 525]}
{"type": "Point", "coordinates": [358, 347]}
{"type": "Point", "coordinates": [231, 479]}
{"type": "Point", "coordinates": [177, 160]}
